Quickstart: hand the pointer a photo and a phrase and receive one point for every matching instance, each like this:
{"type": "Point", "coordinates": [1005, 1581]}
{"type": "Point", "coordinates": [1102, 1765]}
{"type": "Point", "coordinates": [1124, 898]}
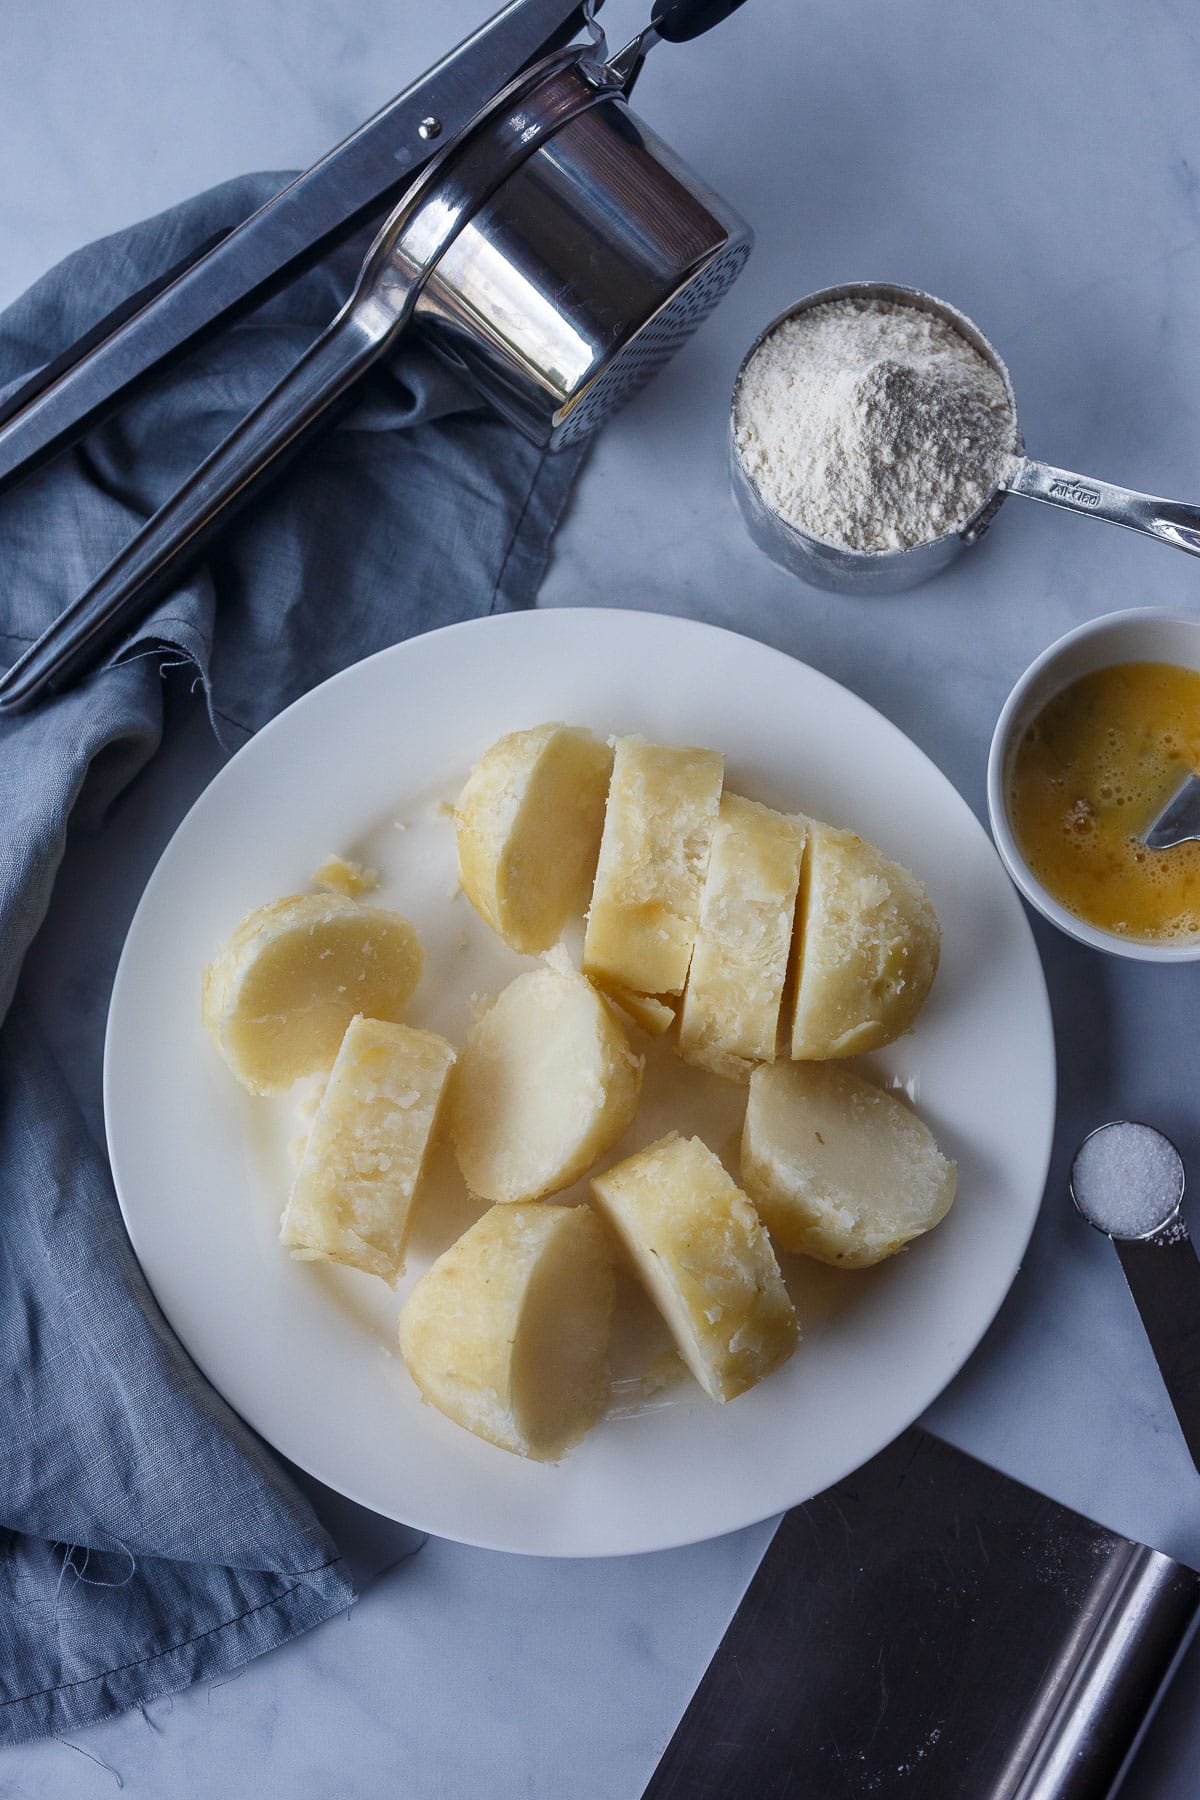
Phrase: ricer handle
{"type": "Point", "coordinates": [156, 556]}
{"type": "Point", "coordinates": [679, 21]}
{"type": "Point", "coordinates": [671, 22]}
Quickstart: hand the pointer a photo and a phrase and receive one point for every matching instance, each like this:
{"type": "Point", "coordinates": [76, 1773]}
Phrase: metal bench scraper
{"type": "Point", "coordinates": [931, 1630]}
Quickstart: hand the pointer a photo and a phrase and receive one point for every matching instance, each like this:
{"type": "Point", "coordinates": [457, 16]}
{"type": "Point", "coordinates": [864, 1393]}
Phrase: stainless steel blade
{"type": "Point", "coordinates": [341, 192]}
{"type": "Point", "coordinates": [931, 1629]}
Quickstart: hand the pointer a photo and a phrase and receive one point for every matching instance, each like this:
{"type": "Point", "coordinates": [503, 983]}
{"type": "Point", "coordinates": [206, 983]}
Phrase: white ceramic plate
{"type": "Point", "coordinates": [306, 1352]}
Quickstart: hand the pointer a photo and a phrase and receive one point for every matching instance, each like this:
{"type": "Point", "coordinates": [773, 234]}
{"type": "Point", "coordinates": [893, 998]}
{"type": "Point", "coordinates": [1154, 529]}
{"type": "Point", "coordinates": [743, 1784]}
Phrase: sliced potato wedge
{"type": "Point", "coordinates": [339, 875]}
{"type": "Point", "coordinates": [353, 1194]}
{"type": "Point", "coordinates": [655, 1016]}
{"type": "Point", "coordinates": [281, 991]}
{"type": "Point", "coordinates": [528, 822]}
{"type": "Point", "coordinates": [658, 827]}
{"type": "Point", "coordinates": [702, 1253]}
{"type": "Point", "coordinates": [546, 1083]}
{"type": "Point", "coordinates": [869, 942]}
{"type": "Point", "coordinates": [839, 1169]}
{"type": "Point", "coordinates": [730, 1017]}
{"type": "Point", "coordinates": [507, 1333]}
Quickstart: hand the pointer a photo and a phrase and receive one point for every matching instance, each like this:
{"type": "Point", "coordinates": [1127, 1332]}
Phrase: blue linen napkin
{"type": "Point", "coordinates": [147, 1537]}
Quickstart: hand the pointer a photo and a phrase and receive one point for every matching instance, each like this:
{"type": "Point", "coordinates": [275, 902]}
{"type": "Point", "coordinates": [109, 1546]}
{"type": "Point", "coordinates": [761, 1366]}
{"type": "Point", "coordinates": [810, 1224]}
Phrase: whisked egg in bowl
{"type": "Point", "coordinates": [1092, 742]}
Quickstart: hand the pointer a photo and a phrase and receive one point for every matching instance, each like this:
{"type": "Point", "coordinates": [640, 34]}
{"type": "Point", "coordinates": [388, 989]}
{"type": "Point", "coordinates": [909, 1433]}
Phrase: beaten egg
{"type": "Point", "coordinates": [1090, 773]}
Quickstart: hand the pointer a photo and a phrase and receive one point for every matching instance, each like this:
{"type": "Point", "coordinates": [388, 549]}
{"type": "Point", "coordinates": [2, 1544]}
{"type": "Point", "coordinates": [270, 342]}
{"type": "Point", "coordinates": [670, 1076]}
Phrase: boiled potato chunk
{"type": "Point", "coordinates": [868, 948]}
{"type": "Point", "coordinates": [658, 828]}
{"type": "Point", "coordinates": [655, 1016]}
{"type": "Point", "coordinates": [338, 875]}
{"type": "Point", "coordinates": [529, 821]}
{"type": "Point", "coordinates": [703, 1255]}
{"type": "Point", "coordinates": [546, 1084]}
{"type": "Point", "coordinates": [730, 1017]}
{"type": "Point", "coordinates": [507, 1332]}
{"type": "Point", "coordinates": [281, 991]}
{"type": "Point", "coordinates": [838, 1169]}
{"type": "Point", "coordinates": [352, 1198]}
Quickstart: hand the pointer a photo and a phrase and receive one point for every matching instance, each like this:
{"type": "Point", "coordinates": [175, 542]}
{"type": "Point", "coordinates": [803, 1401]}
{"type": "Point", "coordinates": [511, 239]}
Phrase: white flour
{"type": "Point", "coordinates": [872, 425]}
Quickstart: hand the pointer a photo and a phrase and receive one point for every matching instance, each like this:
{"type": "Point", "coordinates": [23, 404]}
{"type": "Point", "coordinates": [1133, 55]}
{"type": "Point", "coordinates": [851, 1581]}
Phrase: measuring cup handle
{"type": "Point", "coordinates": [155, 558]}
{"type": "Point", "coordinates": [1163, 1276]}
{"type": "Point", "coordinates": [1170, 521]}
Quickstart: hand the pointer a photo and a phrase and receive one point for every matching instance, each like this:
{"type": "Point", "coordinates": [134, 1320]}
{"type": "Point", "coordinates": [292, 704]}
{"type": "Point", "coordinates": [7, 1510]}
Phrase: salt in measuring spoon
{"type": "Point", "coordinates": [849, 571]}
{"type": "Point", "coordinates": [1127, 1180]}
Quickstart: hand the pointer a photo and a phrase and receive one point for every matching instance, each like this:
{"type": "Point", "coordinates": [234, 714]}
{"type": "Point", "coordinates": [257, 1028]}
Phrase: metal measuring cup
{"type": "Point", "coordinates": [848, 571]}
{"type": "Point", "coordinates": [1127, 1180]}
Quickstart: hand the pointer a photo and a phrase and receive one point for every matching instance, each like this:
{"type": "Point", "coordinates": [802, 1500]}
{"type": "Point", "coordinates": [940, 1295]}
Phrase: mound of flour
{"type": "Point", "coordinates": [872, 425]}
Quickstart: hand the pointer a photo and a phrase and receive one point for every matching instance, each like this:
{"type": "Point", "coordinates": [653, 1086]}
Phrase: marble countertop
{"type": "Point", "coordinates": [1040, 168]}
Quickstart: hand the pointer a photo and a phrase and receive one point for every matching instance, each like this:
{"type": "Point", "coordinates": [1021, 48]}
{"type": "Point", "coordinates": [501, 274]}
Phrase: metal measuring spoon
{"type": "Point", "coordinates": [1127, 1180]}
{"type": "Point", "coordinates": [889, 571]}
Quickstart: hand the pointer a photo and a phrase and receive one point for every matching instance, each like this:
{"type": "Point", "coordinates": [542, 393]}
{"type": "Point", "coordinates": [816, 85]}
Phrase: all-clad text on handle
{"type": "Point", "coordinates": [1172, 522]}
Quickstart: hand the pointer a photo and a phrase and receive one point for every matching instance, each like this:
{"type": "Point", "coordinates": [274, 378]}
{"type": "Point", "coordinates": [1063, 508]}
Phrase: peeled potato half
{"type": "Point", "coordinates": [546, 1083]}
{"type": "Point", "coordinates": [529, 821]}
{"type": "Point", "coordinates": [705, 1260]}
{"type": "Point", "coordinates": [869, 942]}
{"type": "Point", "coordinates": [839, 1169]}
{"type": "Point", "coordinates": [281, 991]}
{"type": "Point", "coordinates": [507, 1332]}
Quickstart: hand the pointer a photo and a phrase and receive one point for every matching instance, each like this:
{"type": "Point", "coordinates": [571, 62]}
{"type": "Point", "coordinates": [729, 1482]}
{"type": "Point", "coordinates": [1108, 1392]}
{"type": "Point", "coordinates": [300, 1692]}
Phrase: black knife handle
{"type": "Point", "coordinates": [1163, 1274]}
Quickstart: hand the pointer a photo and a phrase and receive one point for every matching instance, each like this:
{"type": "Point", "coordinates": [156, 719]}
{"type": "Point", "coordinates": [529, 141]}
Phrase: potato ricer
{"type": "Point", "coordinates": [555, 251]}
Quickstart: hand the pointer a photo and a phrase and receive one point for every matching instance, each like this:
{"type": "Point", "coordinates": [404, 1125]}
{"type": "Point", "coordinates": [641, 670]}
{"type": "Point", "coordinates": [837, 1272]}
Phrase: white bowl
{"type": "Point", "coordinates": [1139, 634]}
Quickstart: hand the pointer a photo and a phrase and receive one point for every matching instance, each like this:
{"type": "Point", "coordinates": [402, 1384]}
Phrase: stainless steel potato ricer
{"type": "Point", "coordinates": [552, 247]}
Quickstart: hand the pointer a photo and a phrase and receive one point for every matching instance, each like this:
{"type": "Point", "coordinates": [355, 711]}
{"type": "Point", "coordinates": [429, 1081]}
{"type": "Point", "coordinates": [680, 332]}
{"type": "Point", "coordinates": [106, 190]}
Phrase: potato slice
{"type": "Point", "coordinates": [354, 1190]}
{"type": "Point", "coordinates": [658, 827]}
{"type": "Point", "coordinates": [507, 1332]}
{"type": "Point", "coordinates": [730, 1017]}
{"type": "Point", "coordinates": [546, 1084]}
{"type": "Point", "coordinates": [338, 875]}
{"type": "Point", "coordinates": [839, 1169]}
{"type": "Point", "coordinates": [281, 991]}
{"type": "Point", "coordinates": [868, 948]}
{"type": "Point", "coordinates": [702, 1253]}
{"type": "Point", "coordinates": [655, 1016]}
{"type": "Point", "coordinates": [529, 821]}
